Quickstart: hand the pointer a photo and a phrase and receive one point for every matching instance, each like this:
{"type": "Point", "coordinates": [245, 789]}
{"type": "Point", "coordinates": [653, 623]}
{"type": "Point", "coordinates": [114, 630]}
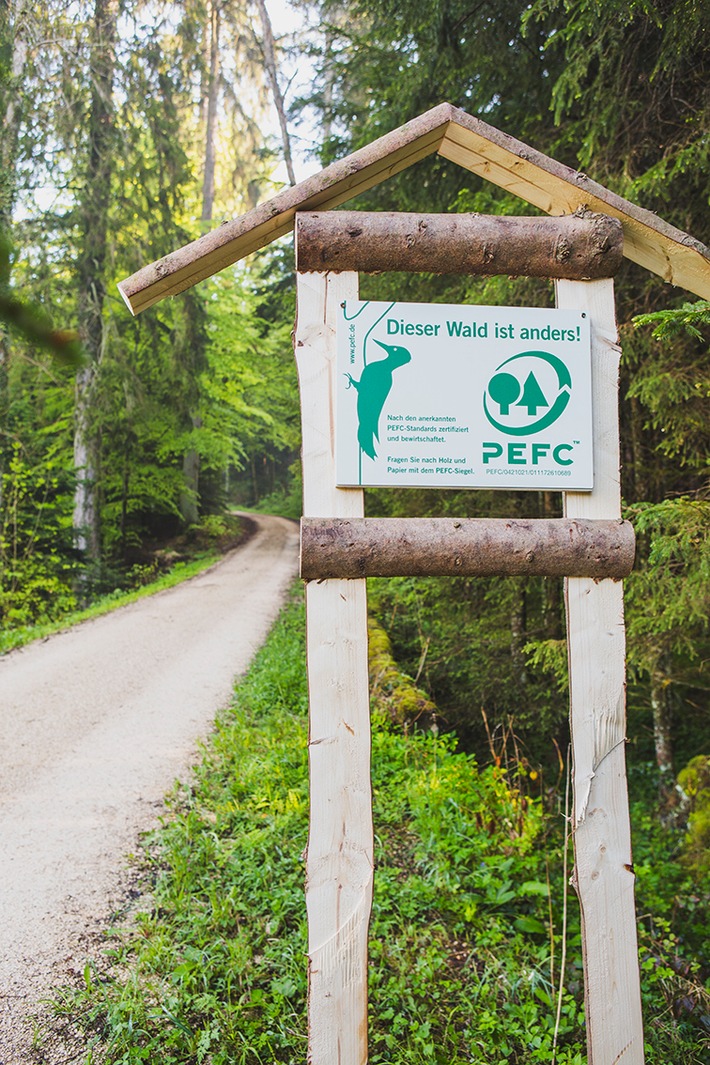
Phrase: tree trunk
{"type": "Point", "coordinates": [189, 499]}
{"type": "Point", "coordinates": [518, 637]}
{"type": "Point", "coordinates": [552, 598]}
{"type": "Point", "coordinates": [87, 516]}
{"type": "Point", "coordinates": [93, 213]}
{"type": "Point", "coordinates": [270, 63]}
{"type": "Point", "coordinates": [663, 722]}
{"type": "Point", "coordinates": [327, 110]}
{"type": "Point", "coordinates": [13, 29]}
{"type": "Point", "coordinates": [196, 343]}
{"type": "Point", "coordinates": [210, 114]}
{"type": "Point", "coordinates": [371, 242]}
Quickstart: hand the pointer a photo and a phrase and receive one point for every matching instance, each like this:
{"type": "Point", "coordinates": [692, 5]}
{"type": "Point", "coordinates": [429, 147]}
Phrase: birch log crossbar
{"type": "Point", "coordinates": [472, 547]}
{"type": "Point", "coordinates": [340, 854]}
{"type": "Point", "coordinates": [603, 876]}
{"type": "Point", "coordinates": [574, 246]}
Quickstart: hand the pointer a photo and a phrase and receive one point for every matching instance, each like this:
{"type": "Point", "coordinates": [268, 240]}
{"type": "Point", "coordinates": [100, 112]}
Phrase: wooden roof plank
{"type": "Point", "coordinates": [493, 155]}
{"type": "Point", "coordinates": [339, 182]}
{"type": "Point", "coordinates": [557, 189]}
{"type": "Point", "coordinates": [499, 175]}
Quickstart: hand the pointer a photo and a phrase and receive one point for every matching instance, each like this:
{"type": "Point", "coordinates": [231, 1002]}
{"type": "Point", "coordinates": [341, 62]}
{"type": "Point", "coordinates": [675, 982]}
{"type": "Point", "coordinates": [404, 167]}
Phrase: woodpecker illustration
{"type": "Point", "coordinates": [373, 389]}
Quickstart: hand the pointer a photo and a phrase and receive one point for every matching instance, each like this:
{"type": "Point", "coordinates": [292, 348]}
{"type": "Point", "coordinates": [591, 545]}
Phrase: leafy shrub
{"type": "Point", "coordinates": [695, 782]}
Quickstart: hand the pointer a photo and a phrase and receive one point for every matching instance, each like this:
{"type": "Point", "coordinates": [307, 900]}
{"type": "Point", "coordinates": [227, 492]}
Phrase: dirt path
{"type": "Point", "coordinates": [95, 726]}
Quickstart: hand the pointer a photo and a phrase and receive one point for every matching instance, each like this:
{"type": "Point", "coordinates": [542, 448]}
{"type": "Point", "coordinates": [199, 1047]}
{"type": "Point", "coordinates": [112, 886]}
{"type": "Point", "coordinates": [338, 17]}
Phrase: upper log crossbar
{"type": "Point", "coordinates": [576, 247]}
{"type": "Point", "coordinates": [472, 547]}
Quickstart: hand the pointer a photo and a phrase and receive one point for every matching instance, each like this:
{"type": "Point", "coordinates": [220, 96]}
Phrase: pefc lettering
{"type": "Point", "coordinates": [527, 453]}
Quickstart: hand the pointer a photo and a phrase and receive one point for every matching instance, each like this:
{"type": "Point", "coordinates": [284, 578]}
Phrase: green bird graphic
{"type": "Point", "coordinates": [373, 389]}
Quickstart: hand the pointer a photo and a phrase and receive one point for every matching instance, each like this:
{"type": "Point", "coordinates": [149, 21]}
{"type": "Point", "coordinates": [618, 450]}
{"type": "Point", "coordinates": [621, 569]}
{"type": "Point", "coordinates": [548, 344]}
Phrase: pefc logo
{"type": "Point", "coordinates": [527, 393]}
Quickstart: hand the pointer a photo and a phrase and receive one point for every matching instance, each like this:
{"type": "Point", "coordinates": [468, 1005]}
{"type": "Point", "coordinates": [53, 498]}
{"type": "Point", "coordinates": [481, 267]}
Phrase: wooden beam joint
{"type": "Point", "coordinates": [577, 247]}
{"type": "Point", "coordinates": [472, 547]}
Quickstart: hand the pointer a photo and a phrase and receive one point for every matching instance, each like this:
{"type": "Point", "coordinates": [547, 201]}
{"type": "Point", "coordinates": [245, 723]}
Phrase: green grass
{"type": "Point", "coordinates": [466, 929]}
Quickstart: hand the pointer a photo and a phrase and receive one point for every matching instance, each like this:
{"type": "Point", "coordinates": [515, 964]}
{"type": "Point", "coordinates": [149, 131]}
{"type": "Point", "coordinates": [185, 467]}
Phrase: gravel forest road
{"type": "Point", "coordinates": [96, 724]}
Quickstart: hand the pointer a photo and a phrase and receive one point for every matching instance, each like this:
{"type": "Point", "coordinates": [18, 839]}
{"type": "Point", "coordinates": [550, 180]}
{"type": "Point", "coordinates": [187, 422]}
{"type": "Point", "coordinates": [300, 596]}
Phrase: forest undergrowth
{"type": "Point", "coordinates": [475, 949]}
{"type": "Point", "coordinates": [157, 567]}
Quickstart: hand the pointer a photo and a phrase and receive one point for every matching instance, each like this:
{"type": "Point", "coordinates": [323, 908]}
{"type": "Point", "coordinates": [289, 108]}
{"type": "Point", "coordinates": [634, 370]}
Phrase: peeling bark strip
{"type": "Point", "coordinates": [339, 858]}
{"type": "Point", "coordinates": [570, 247]}
{"type": "Point", "coordinates": [472, 547]}
{"type": "Point", "coordinates": [603, 876]}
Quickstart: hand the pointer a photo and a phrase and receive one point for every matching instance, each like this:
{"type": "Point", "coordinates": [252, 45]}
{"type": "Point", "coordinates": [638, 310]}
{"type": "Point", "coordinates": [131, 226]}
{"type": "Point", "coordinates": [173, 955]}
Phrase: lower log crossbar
{"type": "Point", "coordinates": [472, 547]}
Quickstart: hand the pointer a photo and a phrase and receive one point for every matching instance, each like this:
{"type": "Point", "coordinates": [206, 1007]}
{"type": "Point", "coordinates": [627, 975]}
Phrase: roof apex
{"type": "Point", "coordinates": [471, 143]}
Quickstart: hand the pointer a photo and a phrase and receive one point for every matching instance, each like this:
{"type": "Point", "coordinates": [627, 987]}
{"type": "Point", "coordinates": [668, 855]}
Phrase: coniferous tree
{"type": "Point", "coordinates": [619, 90]}
{"type": "Point", "coordinates": [93, 214]}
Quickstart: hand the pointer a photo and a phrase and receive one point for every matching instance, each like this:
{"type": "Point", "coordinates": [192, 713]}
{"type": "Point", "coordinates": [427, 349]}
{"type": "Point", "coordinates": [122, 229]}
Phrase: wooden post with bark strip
{"type": "Point", "coordinates": [603, 874]}
{"type": "Point", "coordinates": [339, 861]}
{"type": "Point", "coordinates": [597, 549]}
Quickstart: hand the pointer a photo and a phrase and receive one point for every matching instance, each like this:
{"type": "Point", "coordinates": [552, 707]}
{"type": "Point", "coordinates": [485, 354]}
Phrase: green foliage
{"type": "Point", "coordinates": [201, 546]}
{"type": "Point", "coordinates": [667, 610]}
{"type": "Point", "coordinates": [392, 690]}
{"type": "Point", "coordinates": [94, 185]}
{"type": "Point", "coordinates": [629, 95]}
{"type": "Point", "coordinates": [467, 918]}
{"type": "Point", "coordinates": [695, 782]}
{"type": "Point", "coordinates": [460, 636]}
{"type": "Point", "coordinates": [250, 386]}
{"type": "Point", "coordinates": [36, 563]}
{"type": "Point", "coordinates": [670, 595]}
{"type": "Point", "coordinates": [31, 321]}
{"type": "Point", "coordinates": [689, 318]}
{"type": "Point", "coordinates": [669, 382]}
{"type": "Point", "coordinates": [618, 89]}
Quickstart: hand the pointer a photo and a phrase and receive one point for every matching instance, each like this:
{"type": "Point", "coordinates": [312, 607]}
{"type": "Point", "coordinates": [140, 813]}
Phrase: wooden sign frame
{"type": "Point", "coordinates": [576, 245]}
{"type": "Point", "coordinates": [340, 855]}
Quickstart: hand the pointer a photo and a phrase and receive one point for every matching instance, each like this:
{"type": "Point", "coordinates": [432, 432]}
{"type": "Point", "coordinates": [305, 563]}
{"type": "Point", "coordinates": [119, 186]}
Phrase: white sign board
{"type": "Point", "coordinates": [445, 396]}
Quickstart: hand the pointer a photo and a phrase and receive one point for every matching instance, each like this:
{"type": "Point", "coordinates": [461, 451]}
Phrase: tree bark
{"type": "Point", "coordinates": [190, 495]}
{"type": "Point", "coordinates": [567, 247]}
{"type": "Point", "coordinates": [518, 638]}
{"type": "Point", "coordinates": [87, 515]}
{"type": "Point", "coordinates": [94, 209]}
{"type": "Point", "coordinates": [13, 30]}
{"type": "Point", "coordinates": [210, 117]}
{"type": "Point", "coordinates": [13, 35]}
{"type": "Point", "coordinates": [662, 723]}
{"type": "Point", "coordinates": [189, 498]}
{"type": "Point", "coordinates": [402, 547]}
{"type": "Point", "coordinates": [552, 593]}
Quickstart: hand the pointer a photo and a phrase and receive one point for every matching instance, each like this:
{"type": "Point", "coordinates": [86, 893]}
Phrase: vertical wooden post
{"type": "Point", "coordinates": [339, 864]}
{"type": "Point", "coordinates": [603, 878]}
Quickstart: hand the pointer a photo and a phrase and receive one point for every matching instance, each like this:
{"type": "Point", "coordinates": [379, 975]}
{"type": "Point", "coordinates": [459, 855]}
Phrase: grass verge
{"type": "Point", "coordinates": [201, 559]}
{"type": "Point", "coordinates": [466, 928]}
{"type": "Point", "coordinates": [181, 571]}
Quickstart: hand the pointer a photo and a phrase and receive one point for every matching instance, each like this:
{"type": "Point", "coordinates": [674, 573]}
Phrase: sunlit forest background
{"type": "Point", "coordinates": [130, 128]}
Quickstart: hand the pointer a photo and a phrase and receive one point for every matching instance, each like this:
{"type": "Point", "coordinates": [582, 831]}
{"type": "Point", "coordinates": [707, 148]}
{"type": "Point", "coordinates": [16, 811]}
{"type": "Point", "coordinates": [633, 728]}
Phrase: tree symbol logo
{"type": "Point", "coordinates": [527, 393]}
